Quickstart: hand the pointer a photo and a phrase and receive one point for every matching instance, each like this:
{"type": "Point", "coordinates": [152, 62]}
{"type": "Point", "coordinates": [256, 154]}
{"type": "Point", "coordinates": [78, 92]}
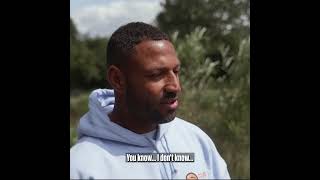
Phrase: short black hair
{"type": "Point", "coordinates": [126, 37]}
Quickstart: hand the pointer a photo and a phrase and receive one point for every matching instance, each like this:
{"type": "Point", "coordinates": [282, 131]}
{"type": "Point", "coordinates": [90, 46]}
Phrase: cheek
{"type": "Point", "coordinates": [154, 91]}
{"type": "Point", "coordinates": [140, 93]}
{"type": "Point", "coordinates": [147, 91]}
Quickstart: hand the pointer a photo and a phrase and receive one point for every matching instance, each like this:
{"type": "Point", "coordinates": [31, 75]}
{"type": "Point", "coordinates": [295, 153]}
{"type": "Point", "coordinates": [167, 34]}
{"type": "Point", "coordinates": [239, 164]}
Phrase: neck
{"type": "Point", "coordinates": [121, 116]}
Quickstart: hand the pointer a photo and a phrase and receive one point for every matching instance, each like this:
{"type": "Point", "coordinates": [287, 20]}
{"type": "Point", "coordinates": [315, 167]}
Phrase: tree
{"type": "Point", "coordinates": [87, 61]}
{"type": "Point", "coordinates": [220, 105]}
{"type": "Point", "coordinates": [226, 21]}
{"type": "Point", "coordinates": [73, 31]}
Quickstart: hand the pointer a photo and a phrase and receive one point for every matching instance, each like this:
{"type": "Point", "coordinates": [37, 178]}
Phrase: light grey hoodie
{"type": "Point", "coordinates": [100, 152]}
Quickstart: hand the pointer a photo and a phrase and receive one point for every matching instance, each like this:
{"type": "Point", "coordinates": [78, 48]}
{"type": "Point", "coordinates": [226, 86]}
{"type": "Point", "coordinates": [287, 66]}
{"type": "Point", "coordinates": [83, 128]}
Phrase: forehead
{"type": "Point", "coordinates": [152, 54]}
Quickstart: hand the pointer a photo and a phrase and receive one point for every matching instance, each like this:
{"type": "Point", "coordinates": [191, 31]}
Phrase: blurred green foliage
{"type": "Point", "coordinates": [213, 44]}
{"type": "Point", "coordinates": [87, 61]}
{"type": "Point", "coordinates": [218, 102]}
{"type": "Point", "coordinates": [226, 21]}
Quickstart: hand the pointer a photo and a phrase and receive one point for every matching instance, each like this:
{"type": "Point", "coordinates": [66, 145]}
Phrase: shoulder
{"type": "Point", "coordinates": [83, 147]}
{"type": "Point", "coordinates": [197, 136]}
{"type": "Point", "coordinates": [87, 149]}
{"type": "Point", "coordinates": [208, 148]}
{"type": "Point", "coordinates": [85, 157]}
{"type": "Point", "coordinates": [188, 128]}
{"type": "Point", "coordinates": [194, 134]}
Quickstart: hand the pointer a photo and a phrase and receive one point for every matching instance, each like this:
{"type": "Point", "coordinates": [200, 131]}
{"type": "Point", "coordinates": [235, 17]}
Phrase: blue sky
{"type": "Point", "coordinates": [102, 17]}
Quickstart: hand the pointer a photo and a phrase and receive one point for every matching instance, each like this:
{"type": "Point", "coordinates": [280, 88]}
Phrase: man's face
{"type": "Point", "coordinates": [153, 81]}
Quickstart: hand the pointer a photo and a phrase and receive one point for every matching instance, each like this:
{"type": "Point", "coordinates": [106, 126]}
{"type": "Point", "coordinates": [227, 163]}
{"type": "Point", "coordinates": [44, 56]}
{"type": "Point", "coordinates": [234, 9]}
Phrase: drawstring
{"type": "Point", "coordinates": [167, 150]}
{"type": "Point", "coordinates": [173, 169]}
{"type": "Point", "coordinates": [154, 144]}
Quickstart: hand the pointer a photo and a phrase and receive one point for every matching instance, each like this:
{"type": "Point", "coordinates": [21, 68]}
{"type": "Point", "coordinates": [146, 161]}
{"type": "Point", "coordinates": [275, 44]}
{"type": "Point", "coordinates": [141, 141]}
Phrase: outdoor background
{"type": "Point", "coordinates": [212, 39]}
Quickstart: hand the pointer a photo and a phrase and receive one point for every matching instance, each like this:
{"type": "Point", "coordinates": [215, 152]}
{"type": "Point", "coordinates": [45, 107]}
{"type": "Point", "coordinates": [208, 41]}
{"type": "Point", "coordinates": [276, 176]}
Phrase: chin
{"type": "Point", "coordinates": [167, 118]}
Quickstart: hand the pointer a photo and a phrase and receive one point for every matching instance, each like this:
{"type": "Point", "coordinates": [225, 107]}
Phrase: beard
{"type": "Point", "coordinates": [145, 107]}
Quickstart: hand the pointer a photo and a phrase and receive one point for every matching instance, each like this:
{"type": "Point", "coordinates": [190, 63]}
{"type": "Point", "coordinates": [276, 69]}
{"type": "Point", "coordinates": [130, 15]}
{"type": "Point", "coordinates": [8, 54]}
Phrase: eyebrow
{"type": "Point", "coordinates": [163, 68]}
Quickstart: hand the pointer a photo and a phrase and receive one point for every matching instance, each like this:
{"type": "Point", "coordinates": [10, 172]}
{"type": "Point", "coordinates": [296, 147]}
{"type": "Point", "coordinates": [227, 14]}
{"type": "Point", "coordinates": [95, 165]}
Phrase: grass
{"type": "Point", "coordinates": [78, 107]}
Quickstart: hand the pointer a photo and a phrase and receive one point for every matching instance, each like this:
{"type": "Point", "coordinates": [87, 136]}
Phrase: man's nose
{"type": "Point", "coordinates": [173, 84]}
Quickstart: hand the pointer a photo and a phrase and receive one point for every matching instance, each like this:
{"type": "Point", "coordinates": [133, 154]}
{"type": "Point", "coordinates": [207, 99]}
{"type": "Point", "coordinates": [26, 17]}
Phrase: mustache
{"type": "Point", "coordinates": [169, 97]}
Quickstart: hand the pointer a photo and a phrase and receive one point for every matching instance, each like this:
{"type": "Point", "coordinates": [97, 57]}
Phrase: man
{"type": "Point", "coordinates": [138, 116]}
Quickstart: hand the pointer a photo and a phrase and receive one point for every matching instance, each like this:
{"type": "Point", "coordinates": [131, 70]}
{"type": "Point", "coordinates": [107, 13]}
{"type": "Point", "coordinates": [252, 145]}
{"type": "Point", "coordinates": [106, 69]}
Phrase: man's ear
{"type": "Point", "coordinates": [116, 78]}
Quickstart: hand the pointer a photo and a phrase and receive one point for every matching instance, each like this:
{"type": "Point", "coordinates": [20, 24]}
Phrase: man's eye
{"type": "Point", "coordinates": [155, 75]}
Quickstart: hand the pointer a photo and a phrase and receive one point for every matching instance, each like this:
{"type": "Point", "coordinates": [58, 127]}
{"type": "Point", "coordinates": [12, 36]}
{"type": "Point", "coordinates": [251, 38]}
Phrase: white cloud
{"type": "Point", "coordinates": [103, 19]}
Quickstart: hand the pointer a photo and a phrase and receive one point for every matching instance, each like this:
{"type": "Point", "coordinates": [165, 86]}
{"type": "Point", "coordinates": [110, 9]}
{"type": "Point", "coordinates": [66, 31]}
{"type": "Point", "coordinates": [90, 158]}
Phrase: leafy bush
{"type": "Point", "coordinates": [218, 102]}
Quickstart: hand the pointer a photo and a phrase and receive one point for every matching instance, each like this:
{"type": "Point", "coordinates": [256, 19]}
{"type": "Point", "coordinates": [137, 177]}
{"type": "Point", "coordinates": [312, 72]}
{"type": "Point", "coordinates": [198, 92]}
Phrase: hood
{"type": "Point", "coordinates": [96, 122]}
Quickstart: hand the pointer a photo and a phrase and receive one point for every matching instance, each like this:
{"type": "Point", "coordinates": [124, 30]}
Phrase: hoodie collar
{"type": "Point", "coordinates": [96, 122]}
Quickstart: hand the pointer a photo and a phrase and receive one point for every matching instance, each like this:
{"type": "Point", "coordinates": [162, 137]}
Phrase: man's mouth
{"type": "Point", "coordinates": [171, 104]}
